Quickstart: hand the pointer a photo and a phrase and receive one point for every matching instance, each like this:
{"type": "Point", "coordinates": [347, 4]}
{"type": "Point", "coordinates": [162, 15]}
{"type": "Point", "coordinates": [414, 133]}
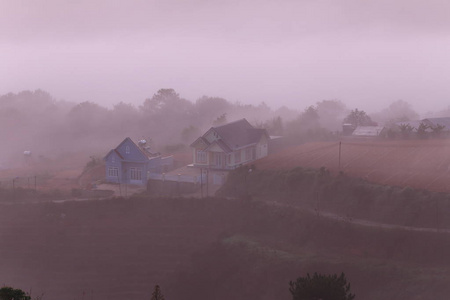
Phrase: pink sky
{"type": "Point", "coordinates": [295, 53]}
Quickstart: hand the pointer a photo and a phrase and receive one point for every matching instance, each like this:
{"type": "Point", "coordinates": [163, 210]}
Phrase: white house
{"type": "Point", "coordinates": [228, 146]}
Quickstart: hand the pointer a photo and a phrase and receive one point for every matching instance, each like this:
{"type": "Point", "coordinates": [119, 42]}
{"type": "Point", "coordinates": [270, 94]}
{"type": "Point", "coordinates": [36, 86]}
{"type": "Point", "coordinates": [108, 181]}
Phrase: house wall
{"type": "Point", "coordinates": [134, 153]}
{"type": "Point", "coordinates": [234, 159]}
{"type": "Point", "coordinates": [211, 136]}
{"type": "Point", "coordinates": [134, 167]}
{"type": "Point", "coordinates": [262, 148]}
{"type": "Point", "coordinates": [134, 173]}
{"type": "Point", "coordinates": [113, 161]}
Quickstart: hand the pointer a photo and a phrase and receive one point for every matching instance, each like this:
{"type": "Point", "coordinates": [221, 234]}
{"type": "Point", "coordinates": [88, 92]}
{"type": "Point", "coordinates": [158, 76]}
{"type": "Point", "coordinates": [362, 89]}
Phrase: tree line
{"type": "Point", "coordinates": [35, 121]}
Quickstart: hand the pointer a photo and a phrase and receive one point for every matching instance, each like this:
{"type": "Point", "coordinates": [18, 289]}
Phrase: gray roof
{"type": "Point", "coordinates": [239, 133]}
{"type": "Point", "coordinates": [368, 130]}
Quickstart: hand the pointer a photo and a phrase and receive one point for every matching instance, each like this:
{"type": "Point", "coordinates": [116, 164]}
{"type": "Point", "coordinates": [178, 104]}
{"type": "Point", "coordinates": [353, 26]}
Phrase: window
{"type": "Point", "coordinates": [237, 156]}
{"type": "Point", "coordinates": [113, 172]}
{"type": "Point", "coordinates": [135, 174]}
{"type": "Point", "coordinates": [127, 149]}
{"type": "Point", "coordinates": [113, 159]}
{"type": "Point", "coordinates": [201, 156]}
{"type": "Point", "coordinates": [248, 153]}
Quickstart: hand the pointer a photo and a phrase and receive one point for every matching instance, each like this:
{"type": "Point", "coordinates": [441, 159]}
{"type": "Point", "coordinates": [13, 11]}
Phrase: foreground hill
{"type": "Point", "coordinates": [119, 249]}
{"type": "Point", "coordinates": [421, 164]}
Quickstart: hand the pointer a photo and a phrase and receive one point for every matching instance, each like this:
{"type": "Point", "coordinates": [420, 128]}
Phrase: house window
{"type": "Point", "coordinates": [248, 153]}
{"type": "Point", "coordinates": [201, 156]}
{"type": "Point", "coordinates": [113, 172]}
{"type": "Point", "coordinates": [237, 156]}
{"type": "Point", "coordinates": [135, 174]}
{"type": "Point", "coordinates": [127, 149]}
{"type": "Point", "coordinates": [113, 159]}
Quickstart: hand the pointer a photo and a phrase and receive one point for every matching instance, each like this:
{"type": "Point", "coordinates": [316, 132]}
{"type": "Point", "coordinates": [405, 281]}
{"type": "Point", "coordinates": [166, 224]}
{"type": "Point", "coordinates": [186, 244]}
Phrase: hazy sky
{"type": "Point", "coordinates": [295, 53]}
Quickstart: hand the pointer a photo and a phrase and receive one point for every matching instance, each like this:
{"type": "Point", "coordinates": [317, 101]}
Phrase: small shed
{"type": "Point", "coordinates": [368, 131]}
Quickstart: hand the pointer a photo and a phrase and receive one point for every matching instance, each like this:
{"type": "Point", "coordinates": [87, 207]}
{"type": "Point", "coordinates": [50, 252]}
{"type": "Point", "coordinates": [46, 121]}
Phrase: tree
{"type": "Point", "coordinates": [422, 130]}
{"type": "Point", "coordinates": [157, 295]}
{"type": "Point", "coordinates": [274, 126]}
{"type": "Point", "coordinates": [221, 120]}
{"type": "Point", "coordinates": [331, 114]}
{"type": "Point", "coordinates": [405, 130]}
{"type": "Point", "coordinates": [437, 129]}
{"type": "Point", "coordinates": [358, 118]}
{"type": "Point", "coordinates": [164, 114]}
{"type": "Point", "coordinates": [397, 111]}
{"type": "Point", "coordinates": [324, 287]}
{"type": "Point", "coordinates": [166, 103]}
{"type": "Point", "coordinates": [9, 293]}
{"type": "Point", "coordinates": [210, 106]}
{"type": "Point", "coordinates": [306, 127]}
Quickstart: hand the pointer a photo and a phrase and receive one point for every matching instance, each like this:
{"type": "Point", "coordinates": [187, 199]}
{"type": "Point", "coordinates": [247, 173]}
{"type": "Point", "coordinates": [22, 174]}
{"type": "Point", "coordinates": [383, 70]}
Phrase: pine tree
{"type": "Point", "coordinates": [157, 295]}
{"type": "Point", "coordinates": [324, 287]}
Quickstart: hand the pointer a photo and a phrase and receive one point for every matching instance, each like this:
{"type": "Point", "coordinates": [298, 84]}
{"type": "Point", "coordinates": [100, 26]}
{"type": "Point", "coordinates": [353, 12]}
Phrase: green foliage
{"type": "Point", "coordinates": [331, 114]}
{"type": "Point", "coordinates": [341, 194]}
{"type": "Point", "coordinates": [273, 126]}
{"type": "Point", "coordinates": [405, 130]}
{"type": "Point", "coordinates": [437, 129]}
{"type": "Point", "coordinates": [422, 130]}
{"type": "Point", "coordinates": [358, 118]}
{"type": "Point", "coordinates": [221, 120]}
{"type": "Point", "coordinates": [323, 287]}
{"type": "Point", "coordinates": [189, 134]}
{"type": "Point", "coordinates": [9, 293]}
{"type": "Point", "coordinates": [307, 127]}
{"type": "Point", "coordinates": [157, 295]}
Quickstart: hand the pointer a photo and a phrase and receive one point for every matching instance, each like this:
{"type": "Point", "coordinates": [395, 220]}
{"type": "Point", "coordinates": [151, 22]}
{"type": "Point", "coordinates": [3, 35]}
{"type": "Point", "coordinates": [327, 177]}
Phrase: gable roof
{"type": "Point", "coordinates": [113, 151]}
{"type": "Point", "coordinates": [146, 154]}
{"type": "Point", "coordinates": [235, 135]}
{"type": "Point", "coordinates": [221, 144]}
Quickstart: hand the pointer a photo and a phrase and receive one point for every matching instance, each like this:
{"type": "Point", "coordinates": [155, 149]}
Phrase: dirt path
{"type": "Point", "coordinates": [361, 222]}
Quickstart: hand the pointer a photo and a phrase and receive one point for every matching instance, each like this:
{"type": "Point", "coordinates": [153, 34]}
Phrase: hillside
{"type": "Point", "coordinates": [420, 164]}
{"type": "Point", "coordinates": [207, 249]}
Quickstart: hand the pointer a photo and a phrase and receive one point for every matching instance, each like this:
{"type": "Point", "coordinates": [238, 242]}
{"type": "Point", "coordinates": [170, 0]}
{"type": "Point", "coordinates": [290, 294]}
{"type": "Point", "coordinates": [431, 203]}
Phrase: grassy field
{"type": "Point", "coordinates": [113, 249]}
{"type": "Point", "coordinates": [421, 164]}
{"type": "Point", "coordinates": [207, 249]}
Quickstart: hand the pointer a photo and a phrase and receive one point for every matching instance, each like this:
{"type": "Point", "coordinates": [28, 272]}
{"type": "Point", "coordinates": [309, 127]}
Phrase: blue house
{"type": "Point", "coordinates": [132, 163]}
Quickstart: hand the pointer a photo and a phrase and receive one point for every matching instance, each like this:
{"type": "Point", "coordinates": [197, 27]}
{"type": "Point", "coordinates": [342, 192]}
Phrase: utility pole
{"type": "Point", "coordinates": [207, 183]}
{"type": "Point", "coordinates": [201, 183]}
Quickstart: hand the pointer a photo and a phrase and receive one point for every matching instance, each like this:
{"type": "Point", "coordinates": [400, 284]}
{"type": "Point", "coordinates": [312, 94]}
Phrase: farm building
{"type": "Point", "coordinates": [228, 146]}
{"type": "Point", "coordinates": [368, 131]}
{"type": "Point", "coordinates": [132, 163]}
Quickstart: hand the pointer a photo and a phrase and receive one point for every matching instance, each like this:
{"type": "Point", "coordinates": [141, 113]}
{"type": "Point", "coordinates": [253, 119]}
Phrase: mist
{"type": "Point", "coordinates": [79, 77]}
{"type": "Point", "coordinates": [293, 53]}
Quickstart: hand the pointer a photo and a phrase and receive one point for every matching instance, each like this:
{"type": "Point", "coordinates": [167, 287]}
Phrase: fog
{"type": "Point", "coordinates": [78, 77]}
{"type": "Point", "coordinates": [292, 53]}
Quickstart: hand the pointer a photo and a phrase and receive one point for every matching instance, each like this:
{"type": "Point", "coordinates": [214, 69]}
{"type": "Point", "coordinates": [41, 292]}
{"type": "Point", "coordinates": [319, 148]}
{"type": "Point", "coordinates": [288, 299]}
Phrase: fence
{"type": "Point", "coordinates": [178, 178]}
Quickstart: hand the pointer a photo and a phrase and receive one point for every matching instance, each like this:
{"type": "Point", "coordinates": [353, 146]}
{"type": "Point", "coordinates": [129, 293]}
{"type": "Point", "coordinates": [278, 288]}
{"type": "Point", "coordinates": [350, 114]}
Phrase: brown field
{"type": "Point", "coordinates": [421, 164]}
